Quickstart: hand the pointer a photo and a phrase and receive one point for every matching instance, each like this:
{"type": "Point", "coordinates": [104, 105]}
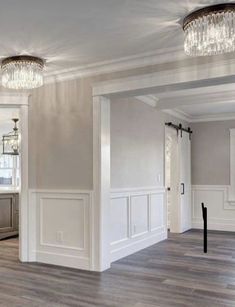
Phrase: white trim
{"type": "Point", "coordinates": [182, 78]}
{"type": "Point", "coordinates": [212, 117]}
{"type": "Point", "coordinates": [121, 252]}
{"type": "Point", "coordinates": [101, 182]}
{"type": "Point", "coordinates": [24, 189]}
{"type": "Point", "coordinates": [179, 114]}
{"type": "Point", "coordinates": [63, 191]}
{"type": "Point", "coordinates": [61, 254]}
{"type": "Point", "coordinates": [138, 190]}
{"type": "Point", "coordinates": [63, 260]}
{"type": "Point", "coordinates": [11, 100]}
{"type": "Point", "coordinates": [21, 101]}
{"type": "Point", "coordinates": [59, 196]}
{"type": "Point", "coordinates": [153, 234]}
{"type": "Point", "coordinates": [161, 56]}
{"type": "Point", "coordinates": [125, 63]}
{"type": "Point", "coordinates": [150, 100]}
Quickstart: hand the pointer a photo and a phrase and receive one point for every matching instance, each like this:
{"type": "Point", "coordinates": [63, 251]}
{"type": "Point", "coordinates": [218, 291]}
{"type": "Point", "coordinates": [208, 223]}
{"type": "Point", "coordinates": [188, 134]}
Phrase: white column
{"type": "Point", "coordinates": [101, 184]}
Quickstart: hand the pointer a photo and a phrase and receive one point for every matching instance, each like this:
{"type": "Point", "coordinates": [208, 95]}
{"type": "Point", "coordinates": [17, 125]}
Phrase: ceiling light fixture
{"type": "Point", "coordinates": [210, 30]}
{"type": "Point", "coordinates": [10, 141]}
{"type": "Point", "coordinates": [22, 72]}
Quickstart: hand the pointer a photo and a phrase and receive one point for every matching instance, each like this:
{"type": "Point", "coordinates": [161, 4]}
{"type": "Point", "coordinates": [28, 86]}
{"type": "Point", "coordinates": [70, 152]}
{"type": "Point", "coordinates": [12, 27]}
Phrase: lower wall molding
{"type": "Point", "coordinates": [138, 218]}
{"type": "Point", "coordinates": [63, 260]}
{"type": "Point", "coordinates": [61, 227]}
{"type": "Point", "coordinates": [221, 211]}
{"type": "Point", "coordinates": [136, 246]}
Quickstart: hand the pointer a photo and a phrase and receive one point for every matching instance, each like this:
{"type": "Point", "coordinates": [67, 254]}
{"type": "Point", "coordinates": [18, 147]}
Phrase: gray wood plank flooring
{"type": "Point", "coordinates": [172, 273]}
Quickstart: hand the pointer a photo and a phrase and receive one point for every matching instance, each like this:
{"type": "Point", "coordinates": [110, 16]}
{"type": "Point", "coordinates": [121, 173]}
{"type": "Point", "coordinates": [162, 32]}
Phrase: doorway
{"type": "Point", "coordinates": [178, 179]}
{"type": "Point", "coordinates": [10, 177]}
{"type": "Point", "coordinates": [20, 102]}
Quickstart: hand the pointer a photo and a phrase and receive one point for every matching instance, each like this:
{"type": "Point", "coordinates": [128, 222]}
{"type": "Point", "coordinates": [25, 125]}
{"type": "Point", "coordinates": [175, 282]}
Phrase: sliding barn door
{"type": "Point", "coordinates": [185, 181]}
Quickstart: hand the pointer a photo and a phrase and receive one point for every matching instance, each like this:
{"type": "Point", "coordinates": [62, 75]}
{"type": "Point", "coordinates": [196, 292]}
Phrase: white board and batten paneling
{"type": "Point", "coordinates": [138, 219]}
{"type": "Point", "coordinates": [61, 230]}
{"type": "Point", "coordinates": [221, 211]}
{"type": "Point", "coordinates": [62, 235]}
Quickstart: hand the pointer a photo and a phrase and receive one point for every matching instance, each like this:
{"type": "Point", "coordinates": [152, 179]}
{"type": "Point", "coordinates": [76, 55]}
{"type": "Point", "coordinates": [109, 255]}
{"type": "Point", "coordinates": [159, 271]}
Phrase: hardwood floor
{"type": "Point", "coordinates": [172, 273]}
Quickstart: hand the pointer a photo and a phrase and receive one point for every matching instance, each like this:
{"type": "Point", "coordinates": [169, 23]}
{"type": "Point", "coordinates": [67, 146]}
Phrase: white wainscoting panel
{"type": "Point", "coordinates": [63, 227]}
{"type": "Point", "coordinates": [221, 212]}
{"type": "Point", "coordinates": [139, 215]}
{"type": "Point", "coordinates": [138, 219]}
{"type": "Point", "coordinates": [157, 207]}
{"type": "Point", "coordinates": [120, 219]}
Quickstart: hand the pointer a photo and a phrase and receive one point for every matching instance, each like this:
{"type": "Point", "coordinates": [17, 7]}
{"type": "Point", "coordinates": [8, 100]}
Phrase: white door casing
{"type": "Point", "coordinates": [185, 181]}
{"type": "Point", "coordinates": [102, 93]}
{"type": "Point", "coordinates": [16, 100]}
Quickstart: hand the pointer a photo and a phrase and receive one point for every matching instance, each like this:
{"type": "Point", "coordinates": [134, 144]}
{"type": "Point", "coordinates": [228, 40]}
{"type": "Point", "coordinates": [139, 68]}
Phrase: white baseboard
{"type": "Point", "coordinates": [215, 225]}
{"type": "Point", "coordinates": [63, 260]}
{"type": "Point", "coordinates": [127, 250]}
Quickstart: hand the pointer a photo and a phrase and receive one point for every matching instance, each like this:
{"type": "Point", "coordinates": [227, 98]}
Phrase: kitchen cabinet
{"type": "Point", "coordinates": [9, 215]}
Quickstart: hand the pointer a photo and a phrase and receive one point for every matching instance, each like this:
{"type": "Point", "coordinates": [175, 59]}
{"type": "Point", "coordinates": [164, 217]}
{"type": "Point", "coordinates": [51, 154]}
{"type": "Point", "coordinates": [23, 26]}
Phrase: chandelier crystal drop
{"type": "Point", "coordinates": [22, 72]}
{"type": "Point", "coordinates": [210, 30]}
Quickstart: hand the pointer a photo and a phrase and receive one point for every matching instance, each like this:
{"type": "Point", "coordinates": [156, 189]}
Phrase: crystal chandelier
{"type": "Point", "coordinates": [22, 72]}
{"type": "Point", "coordinates": [210, 30]}
{"type": "Point", "coordinates": [10, 141]}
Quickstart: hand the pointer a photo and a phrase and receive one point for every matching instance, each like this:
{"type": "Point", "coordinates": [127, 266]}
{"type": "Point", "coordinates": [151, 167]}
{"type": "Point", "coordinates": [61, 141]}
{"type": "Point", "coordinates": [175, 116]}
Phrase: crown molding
{"type": "Point", "coordinates": [150, 100]}
{"type": "Point", "coordinates": [179, 114]}
{"type": "Point", "coordinates": [125, 63]}
{"type": "Point", "coordinates": [202, 118]}
{"type": "Point", "coordinates": [213, 117]}
{"type": "Point", "coordinates": [153, 101]}
{"type": "Point", "coordinates": [161, 56]}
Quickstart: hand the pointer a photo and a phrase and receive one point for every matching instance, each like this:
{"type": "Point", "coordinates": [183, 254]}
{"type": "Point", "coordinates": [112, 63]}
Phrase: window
{"type": "Point", "coordinates": [9, 170]}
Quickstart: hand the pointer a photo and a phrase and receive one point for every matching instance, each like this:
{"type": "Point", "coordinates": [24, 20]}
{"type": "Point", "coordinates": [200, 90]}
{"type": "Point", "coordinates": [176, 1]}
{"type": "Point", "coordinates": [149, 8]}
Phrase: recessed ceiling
{"type": "Point", "coordinates": [78, 32]}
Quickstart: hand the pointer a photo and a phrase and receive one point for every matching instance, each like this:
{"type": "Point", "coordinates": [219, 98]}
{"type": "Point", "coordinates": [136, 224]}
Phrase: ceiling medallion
{"type": "Point", "coordinates": [22, 72]}
{"type": "Point", "coordinates": [210, 30]}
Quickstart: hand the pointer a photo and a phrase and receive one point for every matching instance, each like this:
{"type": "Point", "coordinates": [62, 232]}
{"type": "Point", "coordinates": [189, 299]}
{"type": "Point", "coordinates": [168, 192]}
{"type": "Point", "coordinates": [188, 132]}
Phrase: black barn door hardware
{"type": "Point", "coordinates": [204, 215]}
{"type": "Point", "coordinates": [180, 128]}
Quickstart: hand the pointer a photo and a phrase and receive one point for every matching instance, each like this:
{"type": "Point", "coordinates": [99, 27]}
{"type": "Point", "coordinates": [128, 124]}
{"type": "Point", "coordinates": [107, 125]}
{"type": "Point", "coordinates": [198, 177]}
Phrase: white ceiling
{"type": "Point", "coordinates": [76, 32]}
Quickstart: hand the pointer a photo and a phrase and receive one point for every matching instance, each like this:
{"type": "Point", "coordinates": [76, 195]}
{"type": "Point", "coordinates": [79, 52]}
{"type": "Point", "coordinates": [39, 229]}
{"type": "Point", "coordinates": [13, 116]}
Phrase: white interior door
{"type": "Point", "coordinates": [172, 179]}
{"type": "Point", "coordinates": [185, 181]}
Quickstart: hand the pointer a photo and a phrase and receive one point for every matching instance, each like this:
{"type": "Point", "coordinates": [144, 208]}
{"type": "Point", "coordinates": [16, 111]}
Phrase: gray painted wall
{"type": "Point", "coordinates": [60, 136]}
{"type": "Point", "coordinates": [210, 152]}
{"type": "Point", "coordinates": [137, 144]}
